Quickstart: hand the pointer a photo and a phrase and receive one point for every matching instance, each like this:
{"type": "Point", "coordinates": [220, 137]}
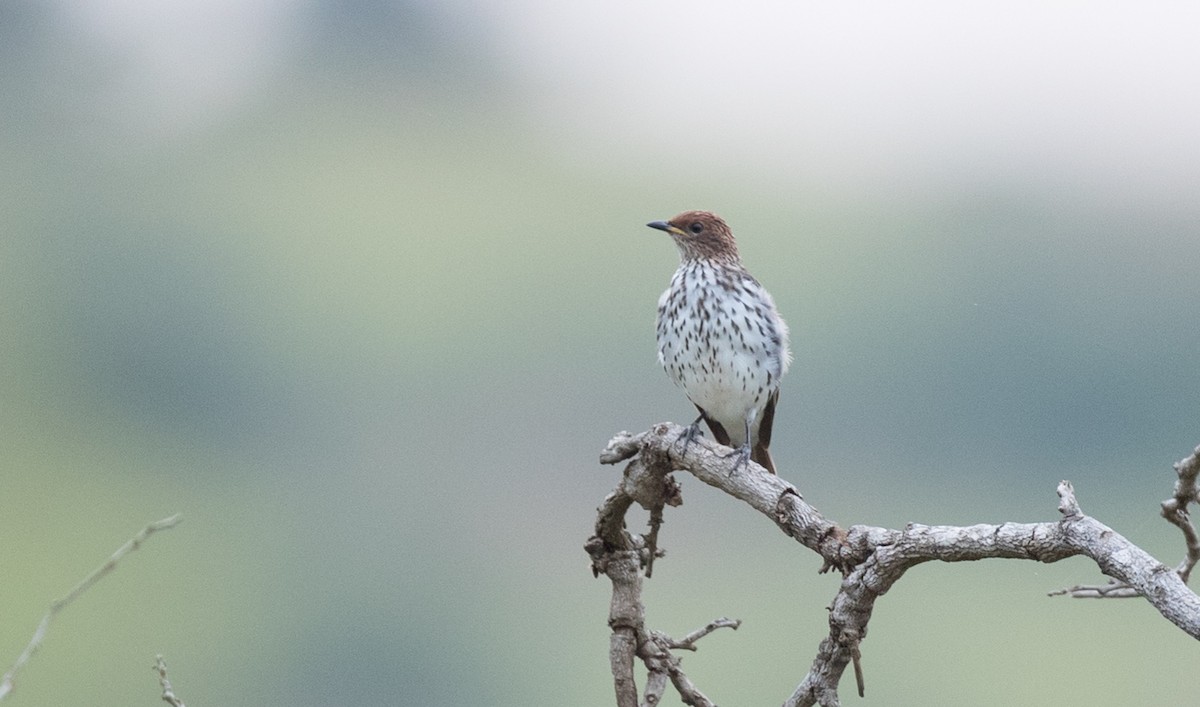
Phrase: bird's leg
{"type": "Point", "coordinates": [690, 434]}
{"type": "Point", "coordinates": [742, 452]}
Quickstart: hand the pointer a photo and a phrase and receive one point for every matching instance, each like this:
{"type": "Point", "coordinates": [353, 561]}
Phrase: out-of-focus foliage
{"type": "Point", "coordinates": [362, 289]}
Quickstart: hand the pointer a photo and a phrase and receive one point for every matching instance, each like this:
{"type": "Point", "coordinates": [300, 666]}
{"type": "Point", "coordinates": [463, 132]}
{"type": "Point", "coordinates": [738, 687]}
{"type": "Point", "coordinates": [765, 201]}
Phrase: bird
{"type": "Point", "coordinates": [721, 339]}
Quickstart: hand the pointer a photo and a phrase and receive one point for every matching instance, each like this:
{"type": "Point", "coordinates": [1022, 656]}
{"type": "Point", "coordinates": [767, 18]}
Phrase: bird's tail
{"type": "Point", "coordinates": [762, 456]}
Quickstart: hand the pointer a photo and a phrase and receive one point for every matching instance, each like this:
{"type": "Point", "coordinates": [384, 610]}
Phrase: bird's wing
{"type": "Point", "coordinates": [768, 420]}
{"type": "Point", "coordinates": [718, 430]}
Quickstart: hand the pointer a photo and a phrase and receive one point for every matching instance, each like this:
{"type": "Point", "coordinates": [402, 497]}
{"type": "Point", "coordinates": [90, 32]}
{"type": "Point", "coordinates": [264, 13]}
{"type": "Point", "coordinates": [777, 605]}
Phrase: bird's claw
{"type": "Point", "coordinates": [689, 435]}
{"type": "Point", "coordinates": [743, 457]}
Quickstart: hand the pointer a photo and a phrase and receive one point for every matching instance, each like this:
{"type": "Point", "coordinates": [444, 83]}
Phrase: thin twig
{"type": "Point", "coordinates": [688, 642]}
{"type": "Point", "coordinates": [1115, 589]}
{"type": "Point", "coordinates": [656, 521]}
{"type": "Point", "coordinates": [168, 693]}
{"type": "Point", "coordinates": [7, 682]}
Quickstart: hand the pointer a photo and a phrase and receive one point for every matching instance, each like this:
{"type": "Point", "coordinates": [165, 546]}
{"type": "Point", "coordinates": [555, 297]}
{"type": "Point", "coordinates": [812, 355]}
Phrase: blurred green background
{"type": "Point", "coordinates": [362, 289]}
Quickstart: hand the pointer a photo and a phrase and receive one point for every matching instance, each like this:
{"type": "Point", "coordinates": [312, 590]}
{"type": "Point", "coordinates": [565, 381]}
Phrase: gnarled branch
{"type": "Point", "coordinates": [871, 559]}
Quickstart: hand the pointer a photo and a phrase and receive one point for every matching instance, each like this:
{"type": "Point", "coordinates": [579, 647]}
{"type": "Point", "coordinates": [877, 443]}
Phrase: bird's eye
{"type": "Point", "coordinates": [696, 227]}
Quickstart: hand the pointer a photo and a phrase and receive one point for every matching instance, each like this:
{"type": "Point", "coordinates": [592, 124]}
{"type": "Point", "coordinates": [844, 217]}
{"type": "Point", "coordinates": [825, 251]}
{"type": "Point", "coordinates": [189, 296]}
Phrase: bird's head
{"type": "Point", "coordinates": [700, 235]}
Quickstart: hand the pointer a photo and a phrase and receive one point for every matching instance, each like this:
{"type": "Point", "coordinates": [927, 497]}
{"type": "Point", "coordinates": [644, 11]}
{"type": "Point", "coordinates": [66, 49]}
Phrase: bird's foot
{"type": "Point", "coordinates": [690, 434]}
{"type": "Point", "coordinates": [743, 457]}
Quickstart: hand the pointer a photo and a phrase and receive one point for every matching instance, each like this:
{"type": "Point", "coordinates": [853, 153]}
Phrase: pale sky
{"type": "Point", "coordinates": [831, 90]}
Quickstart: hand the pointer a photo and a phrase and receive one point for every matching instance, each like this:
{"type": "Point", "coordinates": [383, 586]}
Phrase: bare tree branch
{"type": "Point", "coordinates": [7, 682]}
{"type": "Point", "coordinates": [871, 559]}
{"type": "Point", "coordinates": [1174, 509]}
{"type": "Point", "coordinates": [622, 556]}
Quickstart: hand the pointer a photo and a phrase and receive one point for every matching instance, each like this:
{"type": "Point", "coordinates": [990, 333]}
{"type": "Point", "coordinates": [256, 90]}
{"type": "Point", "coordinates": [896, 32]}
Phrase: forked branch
{"type": "Point", "coordinates": [871, 559]}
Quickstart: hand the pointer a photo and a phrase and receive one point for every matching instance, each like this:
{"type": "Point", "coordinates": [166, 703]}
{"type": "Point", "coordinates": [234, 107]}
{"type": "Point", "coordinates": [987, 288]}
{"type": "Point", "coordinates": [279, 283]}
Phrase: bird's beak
{"type": "Point", "coordinates": [664, 226]}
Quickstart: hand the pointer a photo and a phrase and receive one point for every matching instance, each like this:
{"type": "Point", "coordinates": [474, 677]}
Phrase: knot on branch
{"type": "Point", "coordinates": [1067, 505]}
{"type": "Point", "coordinates": [648, 481]}
{"type": "Point", "coordinates": [801, 521]}
{"type": "Point", "coordinates": [604, 554]}
{"type": "Point", "coordinates": [621, 447]}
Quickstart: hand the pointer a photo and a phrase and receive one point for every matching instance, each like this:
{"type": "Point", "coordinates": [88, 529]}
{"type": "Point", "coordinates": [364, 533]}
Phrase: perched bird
{"type": "Point", "coordinates": [720, 337]}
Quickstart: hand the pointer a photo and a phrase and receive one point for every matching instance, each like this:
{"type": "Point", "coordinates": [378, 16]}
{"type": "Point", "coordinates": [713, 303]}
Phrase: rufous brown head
{"type": "Point", "coordinates": [700, 235]}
